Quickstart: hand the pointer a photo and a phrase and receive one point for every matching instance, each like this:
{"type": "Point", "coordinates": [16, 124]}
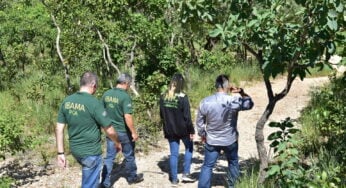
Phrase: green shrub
{"type": "Point", "coordinates": [215, 60]}
{"type": "Point", "coordinates": [286, 170]}
{"type": "Point", "coordinates": [12, 129]}
{"type": "Point", "coordinates": [6, 181]}
{"type": "Point", "coordinates": [324, 170]}
{"type": "Point", "coordinates": [326, 115]}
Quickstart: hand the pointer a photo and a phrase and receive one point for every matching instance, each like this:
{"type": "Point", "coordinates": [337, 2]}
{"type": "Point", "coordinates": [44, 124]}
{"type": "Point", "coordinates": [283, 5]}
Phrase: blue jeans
{"type": "Point", "coordinates": [128, 151]}
{"type": "Point", "coordinates": [173, 159]}
{"type": "Point", "coordinates": [91, 168]}
{"type": "Point", "coordinates": [211, 154]}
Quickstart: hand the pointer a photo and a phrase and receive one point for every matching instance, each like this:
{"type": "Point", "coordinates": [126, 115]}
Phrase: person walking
{"type": "Point", "coordinates": [84, 116]}
{"type": "Point", "coordinates": [217, 125]}
{"type": "Point", "coordinates": [118, 104]}
{"type": "Point", "coordinates": [177, 125]}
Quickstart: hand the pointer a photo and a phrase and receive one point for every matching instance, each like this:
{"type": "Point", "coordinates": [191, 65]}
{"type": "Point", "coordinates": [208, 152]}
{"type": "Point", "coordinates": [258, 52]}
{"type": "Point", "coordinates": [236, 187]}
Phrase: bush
{"type": "Point", "coordinates": [12, 137]}
{"type": "Point", "coordinates": [286, 170]}
{"type": "Point", "coordinates": [6, 181]}
{"type": "Point", "coordinates": [326, 114]}
{"type": "Point", "coordinates": [291, 169]}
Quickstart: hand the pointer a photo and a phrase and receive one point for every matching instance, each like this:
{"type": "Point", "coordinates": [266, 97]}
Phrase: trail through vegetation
{"type": "Point", "coordinates": [154, 166]}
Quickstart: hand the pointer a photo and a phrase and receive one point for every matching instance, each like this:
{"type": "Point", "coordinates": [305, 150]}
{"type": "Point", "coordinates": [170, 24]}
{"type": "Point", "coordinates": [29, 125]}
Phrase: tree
{"type": "Point", "coordinates": [25, 41]}
{"type": "Point", "coordinates": [110, 35]}
{"type": "Point", "coordinates": [285, 36]}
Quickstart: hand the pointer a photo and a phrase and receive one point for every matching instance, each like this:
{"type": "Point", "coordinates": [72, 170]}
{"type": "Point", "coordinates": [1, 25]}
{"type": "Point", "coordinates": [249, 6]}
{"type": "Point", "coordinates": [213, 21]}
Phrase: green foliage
{"type": "Point", "coordinates": [155, 39]}
{"type": "Point", "coordinates": [12, 129]}
{"type": "Point", "coordinates": [211, 60]}
{"type": "Point", "coordinates": [147, 121]}
{"type": "Point", "coordinates": [249, 181]}
{"type": "Point", "coordinates": [146, 112]}
{"type": "Point", "coordinates": [6, 181]}
{"type": "Point", "coordinates": [320, 71]}
{"type": "Point", "coordinates": [200, 83]}
{"type": "Point", "coordinates": [286, 170]}
{"type": "Point", "coordinates": [40, 96]}
{"type": "Point", "coordinates": [135, 33]}
{"type": "Point", "coordinates": [324, 171]}
{"type": "Point", "coordinates": [324, 121]}
{"type": "Point", "coordinates": [26, 38]}
{"type": "Point", "coordinates": [320, 143]}
{"type": "Point", "coordinates": [29, 112]}
{"type": "Point", "coordinates": [280, 38]}
{"type": "Point", "coordinates": [321, 181]}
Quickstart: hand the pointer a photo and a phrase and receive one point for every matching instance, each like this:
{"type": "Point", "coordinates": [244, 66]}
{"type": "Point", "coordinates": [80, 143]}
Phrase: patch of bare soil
{"type": "Point", "coordinates": [154, 166]}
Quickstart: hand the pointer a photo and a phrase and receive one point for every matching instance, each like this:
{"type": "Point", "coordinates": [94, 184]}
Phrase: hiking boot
{"type": "Point", "coordinates": [137, 179]}
{"type": "Point", "coordinates": [188, 178]}
{"type": "Point", "coordinates": [175, 183]}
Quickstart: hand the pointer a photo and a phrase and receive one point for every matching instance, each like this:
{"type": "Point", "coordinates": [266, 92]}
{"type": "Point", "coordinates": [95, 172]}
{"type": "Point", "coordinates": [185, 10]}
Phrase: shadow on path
{"type": "Point", "coordinates": [24, 174]}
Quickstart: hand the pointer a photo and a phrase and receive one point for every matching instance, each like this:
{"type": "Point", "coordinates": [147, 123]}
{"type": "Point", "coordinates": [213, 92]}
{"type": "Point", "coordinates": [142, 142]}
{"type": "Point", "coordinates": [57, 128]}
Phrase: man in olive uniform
{"type": "Point", "coordinates": [118, 104]}
{"type": "Point", "coordinates": [84, 116]}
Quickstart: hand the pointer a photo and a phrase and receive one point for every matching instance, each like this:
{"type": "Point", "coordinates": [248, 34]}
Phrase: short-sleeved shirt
{"type": "Point", "coordinates": [117, 103]}
{"type": "Point", "coordinates": [84, 115]}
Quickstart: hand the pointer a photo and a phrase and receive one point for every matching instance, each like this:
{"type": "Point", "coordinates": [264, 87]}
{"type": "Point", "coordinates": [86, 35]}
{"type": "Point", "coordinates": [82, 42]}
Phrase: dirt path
{"type": "Point", "coordinates": [155, 165]}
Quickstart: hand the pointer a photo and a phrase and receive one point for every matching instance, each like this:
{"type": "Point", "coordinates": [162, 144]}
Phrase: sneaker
{"type": "Point", "coordinates": [137, 179]}
{"type": "Point", "coordinates": [175, 183]}
{"type": "Point", "coordinates": [188, 178]}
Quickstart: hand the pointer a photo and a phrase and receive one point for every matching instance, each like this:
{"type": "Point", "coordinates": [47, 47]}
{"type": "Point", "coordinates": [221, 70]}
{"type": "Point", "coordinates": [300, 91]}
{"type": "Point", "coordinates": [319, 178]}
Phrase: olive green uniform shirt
{"type": "Point", "coordinates": [84, 115]}
{"type": "Point", "coordinates": [117, 103]}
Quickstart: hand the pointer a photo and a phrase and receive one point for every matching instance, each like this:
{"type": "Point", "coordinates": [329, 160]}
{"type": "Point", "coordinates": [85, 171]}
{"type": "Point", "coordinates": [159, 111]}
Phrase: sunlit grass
{"type": "Point", "coordinates": [317, 72]}
{"type": "Point", "coordinates": [201, 83]}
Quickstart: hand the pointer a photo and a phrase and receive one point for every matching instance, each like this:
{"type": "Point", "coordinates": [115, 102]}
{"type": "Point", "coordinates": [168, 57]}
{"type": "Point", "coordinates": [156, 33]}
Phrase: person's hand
{"type": "Point", "coordinates": [134, 137]}
{"type": "Point", "coordinates": [203, 139]}
{"type": "Point", "coordinates": [118, 146]}
{"type": "Point", "coordinates": [236, 90]}
{"type": "Point", "coordinates": [61, 160]}
{"type": "Point", "coordinates": [192, 136]}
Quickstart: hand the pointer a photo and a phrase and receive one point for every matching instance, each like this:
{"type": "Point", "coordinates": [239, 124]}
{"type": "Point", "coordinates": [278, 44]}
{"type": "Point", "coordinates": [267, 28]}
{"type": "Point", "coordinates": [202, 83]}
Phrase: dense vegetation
{"type": "Point", "coordinates": [45, 45]}
{"type": "Point", "coordinates": [313, 156]}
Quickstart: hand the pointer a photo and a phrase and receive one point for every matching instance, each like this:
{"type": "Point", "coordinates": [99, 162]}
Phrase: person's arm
{"type": "Point", "coordinates": [246, 101]}
{"type": "Point", "coordinates": [187, 117]}
{"type": "Point", "coordinates": [112, 134]}
{"type": "Point", "coordinates": [59, 136]}
{"type": "Point", "coordinates": [201, 124]}
{"type": "Point", "coordinates": [130, 125]}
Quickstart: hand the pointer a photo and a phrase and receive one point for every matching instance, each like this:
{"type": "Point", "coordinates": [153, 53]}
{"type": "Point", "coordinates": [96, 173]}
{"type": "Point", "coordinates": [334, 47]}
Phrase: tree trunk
{"type": "Point", "coordinates": [259, 137]}
{"type": "Point", "coordinates": [62, 60]}
{"type": "Point", "coordinates": [273, 99]}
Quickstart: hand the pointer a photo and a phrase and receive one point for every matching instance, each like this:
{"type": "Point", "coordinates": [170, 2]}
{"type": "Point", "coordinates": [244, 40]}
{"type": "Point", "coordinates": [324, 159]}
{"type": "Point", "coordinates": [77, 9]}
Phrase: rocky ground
{"type": "Point", "coordinates": [154, 166]}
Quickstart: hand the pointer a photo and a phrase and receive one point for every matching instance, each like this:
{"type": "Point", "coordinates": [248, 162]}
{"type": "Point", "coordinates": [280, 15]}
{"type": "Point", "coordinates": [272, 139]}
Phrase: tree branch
{"type": "Point", "coordinates": [132, 57]}
{"type": "Point", "coordinates": [268, 85]}
{"type": "Point", "coordinates": [252, 51]}
{"type": "Point", "coordinates": [132, 53]}
{"type": "Point", "coordinates": [289, 82]}
{"type": "Point", "coordinates": [62, 60]}
{"type": "Point", "coordinates": [266, 79]}
{"type": "Point", "coordinates": [106, 56]}
{"type": "Point", "coordinates": [171, 42]}
{"type": "Point", "coordinates": [108, 59]}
